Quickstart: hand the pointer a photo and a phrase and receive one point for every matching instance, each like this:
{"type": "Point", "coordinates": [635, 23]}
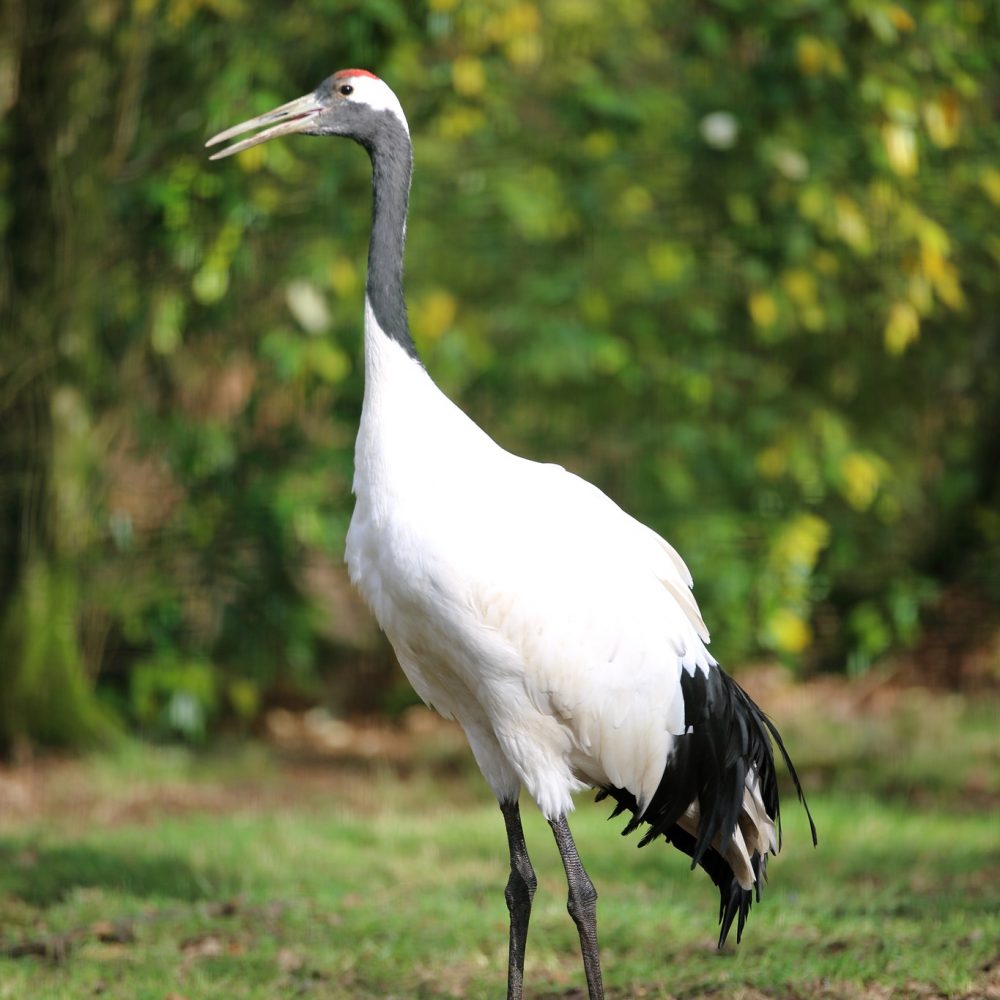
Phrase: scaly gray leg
{"type": "Point", "coordinates": [582, 906]}
{"type": "Point", "coordinates": [519, 892]}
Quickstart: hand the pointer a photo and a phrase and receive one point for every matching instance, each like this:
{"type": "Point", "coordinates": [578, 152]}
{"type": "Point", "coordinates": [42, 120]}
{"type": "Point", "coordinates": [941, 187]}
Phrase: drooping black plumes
{"type": "Point", "coordinates": [726, 737]}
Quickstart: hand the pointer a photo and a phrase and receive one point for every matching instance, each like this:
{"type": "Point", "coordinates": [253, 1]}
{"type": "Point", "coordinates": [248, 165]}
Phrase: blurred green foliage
{"type": "Point", "coordinates": [736, 263]}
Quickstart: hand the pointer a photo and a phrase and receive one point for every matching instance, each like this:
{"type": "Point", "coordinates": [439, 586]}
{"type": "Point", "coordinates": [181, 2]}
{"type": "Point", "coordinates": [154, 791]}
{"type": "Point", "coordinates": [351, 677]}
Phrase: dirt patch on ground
{"type": "Point", "coordinates": [65, 791]}
{"type": "Point", "coordinates": [309, 758]}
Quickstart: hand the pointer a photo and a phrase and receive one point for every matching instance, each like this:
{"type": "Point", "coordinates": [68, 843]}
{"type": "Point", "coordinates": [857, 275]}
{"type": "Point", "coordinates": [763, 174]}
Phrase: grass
{"type": "Point", "coordinates": [160, 875]}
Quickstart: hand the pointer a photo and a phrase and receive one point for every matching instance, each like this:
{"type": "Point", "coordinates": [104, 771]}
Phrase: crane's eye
{"type": "Point", "coordinates": [346, 89]}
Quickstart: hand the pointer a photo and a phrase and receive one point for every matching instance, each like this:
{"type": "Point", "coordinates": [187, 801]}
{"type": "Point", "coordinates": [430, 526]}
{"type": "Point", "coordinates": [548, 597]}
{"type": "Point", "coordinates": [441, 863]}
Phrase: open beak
{"type": "Point", "coordinates": [295, 116]}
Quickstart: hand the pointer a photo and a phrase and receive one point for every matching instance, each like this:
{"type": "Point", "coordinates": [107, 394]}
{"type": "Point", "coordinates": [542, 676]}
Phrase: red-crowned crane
{"type": "Point", "coordinates": [558, 631]}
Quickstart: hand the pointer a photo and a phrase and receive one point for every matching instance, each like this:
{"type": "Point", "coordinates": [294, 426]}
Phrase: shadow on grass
{"type": "Point", "coordinates": [43, 876]}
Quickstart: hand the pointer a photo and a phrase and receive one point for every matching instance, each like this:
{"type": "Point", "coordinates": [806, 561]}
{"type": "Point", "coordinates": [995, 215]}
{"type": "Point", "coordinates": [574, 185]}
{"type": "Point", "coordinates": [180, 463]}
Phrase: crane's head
{"type": "Point", "coordinates": [352, 103]}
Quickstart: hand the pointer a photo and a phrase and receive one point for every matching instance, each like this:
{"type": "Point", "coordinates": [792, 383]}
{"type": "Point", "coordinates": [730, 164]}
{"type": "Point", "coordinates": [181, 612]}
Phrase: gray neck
{"type": "Point", "coordinates": [392, 164]}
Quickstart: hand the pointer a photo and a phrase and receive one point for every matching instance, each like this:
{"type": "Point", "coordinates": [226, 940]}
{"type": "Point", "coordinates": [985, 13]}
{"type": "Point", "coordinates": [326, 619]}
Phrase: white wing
{"type": "Point", "coordinates": [600, 613]}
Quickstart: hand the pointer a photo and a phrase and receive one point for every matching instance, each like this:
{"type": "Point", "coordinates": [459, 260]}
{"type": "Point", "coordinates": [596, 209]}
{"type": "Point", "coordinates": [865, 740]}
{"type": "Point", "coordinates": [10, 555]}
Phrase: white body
{"type": "Point", "coordinates": [525, 604]}
{"type": "Point", "coordinates": [520, 600]}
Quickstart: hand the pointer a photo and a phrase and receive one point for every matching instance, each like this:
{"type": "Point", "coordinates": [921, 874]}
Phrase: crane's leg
{"type": "Point", "coordinates": [519, 892]}
{"type": "Point", "coordinates": [582, 906]}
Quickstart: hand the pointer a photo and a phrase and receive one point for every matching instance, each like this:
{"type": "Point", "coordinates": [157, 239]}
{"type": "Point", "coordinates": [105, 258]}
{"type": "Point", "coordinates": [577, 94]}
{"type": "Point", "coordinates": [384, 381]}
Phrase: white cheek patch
{"type": "Point", "coordinates": [377, 95]}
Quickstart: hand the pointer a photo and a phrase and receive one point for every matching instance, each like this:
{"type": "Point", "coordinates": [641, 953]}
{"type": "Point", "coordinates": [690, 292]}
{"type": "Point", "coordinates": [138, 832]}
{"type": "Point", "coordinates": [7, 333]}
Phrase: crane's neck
{"type": "Point", "coordinates": [392, 165]}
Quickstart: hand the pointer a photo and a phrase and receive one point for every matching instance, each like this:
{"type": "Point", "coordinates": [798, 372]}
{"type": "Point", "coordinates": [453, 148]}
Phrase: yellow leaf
{"type": "Point", "coordinates": [901, 18]}
{"type": "Point", "coordinates": [902, 327]}
{"type": "Point", "coordinates": [524, 50]}
{"type": "Point", "coordinates": [599, 145]}
{"type": "Point", "coordinates": [852, 227]}
{"type": "Point", "coordinates": [763, 309]}
{"type": "Point", "coordinates": [861, 476]}
{"type": "Point", "coordinates": [800, 542]}
{"type": "Point", "coordinates": [468, 76]}
{"type": "Point", "coordinates": [210, 283]}
{"type": "Point", "coordinates": [180, 12]}
{"type": "Point", "coordinates": [947, 286]}
{"type": "Point", "coordinates": [343, 277]}
{"type": "Point", "coordinates": [669, 262]}
{"type": "Point", "coordinates": [789, 632]}
{"type": "Point", "coordinates": [523, 19]}
{"type": "Point", "coordinates": [799, 285]}
{"type": "Point", "coordinates": [434, 314]}
{"type": "Point", "coordinates": [943, 117]}
{"type": "Point", "coordinates": [772, 462]}
{"type": "Point", "coordinates": [932, 235]}
{"type": "Point", "coordinates": [810, 54]}
{"type": "Point", "coordinates": [518, 29]}
{"type": "Point", "coordinates": [936, 268]}
{"type": "Point", "coordinates": [814, 56]}
{"type": "Point", "coordinates": [989, 179]}
{"type": "Point", "coordinates": [918, 291]}
{"type": "Point", "coordinates": [901, 148]}
{"type": "Point", "coordinates": [252, 159]}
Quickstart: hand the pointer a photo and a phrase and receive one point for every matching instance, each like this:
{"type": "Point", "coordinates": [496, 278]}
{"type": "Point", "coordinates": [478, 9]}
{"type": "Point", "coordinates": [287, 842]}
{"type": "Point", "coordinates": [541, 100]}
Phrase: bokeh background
{"type": "Point", "coordinates": [734, 262]}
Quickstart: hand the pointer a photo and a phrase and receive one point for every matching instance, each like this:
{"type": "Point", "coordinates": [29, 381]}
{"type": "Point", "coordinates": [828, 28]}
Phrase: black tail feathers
{"type": "Point", "coordinates": [726, 737]}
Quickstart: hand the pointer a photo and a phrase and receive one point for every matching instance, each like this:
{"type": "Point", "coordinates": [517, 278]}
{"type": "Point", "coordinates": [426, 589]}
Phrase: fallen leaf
{"type": "Point", "coordinates": [203, 946]}
{"type": "Point", "coordinates": [113, 932]}
{"type": "Point", "coordinates": [289, 960]}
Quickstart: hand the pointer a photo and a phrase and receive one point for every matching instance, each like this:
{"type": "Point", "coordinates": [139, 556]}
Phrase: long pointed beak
{"type": "Point", "coordinates": [294, 116]}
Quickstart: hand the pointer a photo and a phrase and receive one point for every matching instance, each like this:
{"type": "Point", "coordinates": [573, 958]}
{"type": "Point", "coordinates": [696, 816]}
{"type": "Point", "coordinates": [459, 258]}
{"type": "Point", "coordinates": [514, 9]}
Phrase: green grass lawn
{"type": "Point", "coordinates": [162, 874]}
